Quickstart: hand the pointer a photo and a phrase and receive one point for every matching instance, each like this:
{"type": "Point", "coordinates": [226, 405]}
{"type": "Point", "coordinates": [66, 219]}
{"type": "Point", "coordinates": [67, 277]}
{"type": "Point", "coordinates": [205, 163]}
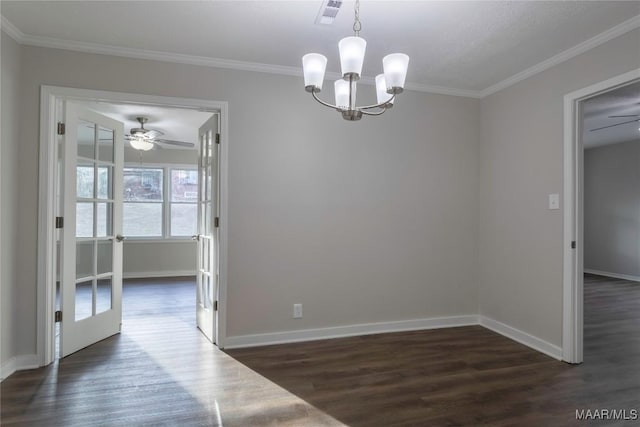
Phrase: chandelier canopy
{"type": "Point", "coordinates": [352, 49]}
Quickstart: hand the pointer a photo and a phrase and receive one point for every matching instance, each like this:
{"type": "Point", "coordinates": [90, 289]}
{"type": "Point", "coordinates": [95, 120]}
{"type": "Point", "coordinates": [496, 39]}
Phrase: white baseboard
{"type": "Point", "coordinates": [522, 337]}
{"type": "Point", "coordinates": [614, 275]}
{"type": "Point", "coordinates": [154, 274]}
{"type": "Point", "coordinates": [240, 341]}
{"type": "Point", "coordinates": [18, 363]}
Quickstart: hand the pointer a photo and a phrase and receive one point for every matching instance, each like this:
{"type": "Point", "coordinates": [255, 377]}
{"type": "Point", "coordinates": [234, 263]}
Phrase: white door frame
{"type": "Point", "coordinates": [51, 98]}
{"type": "Point", "coordinates": [573, 268]}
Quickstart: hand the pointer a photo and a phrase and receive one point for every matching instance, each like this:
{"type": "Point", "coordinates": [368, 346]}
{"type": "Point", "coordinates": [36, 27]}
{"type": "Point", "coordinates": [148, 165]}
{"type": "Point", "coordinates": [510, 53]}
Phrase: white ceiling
{"type": "Point", "coordinates": [179, 124]}
{"type": "Point", "coordinates": [462, 45]}
{"type": "Point", "coordinates": [624, 101]}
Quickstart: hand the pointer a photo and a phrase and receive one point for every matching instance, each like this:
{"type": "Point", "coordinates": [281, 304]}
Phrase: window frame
{"type": "Point", "coordinates": [166, 200]}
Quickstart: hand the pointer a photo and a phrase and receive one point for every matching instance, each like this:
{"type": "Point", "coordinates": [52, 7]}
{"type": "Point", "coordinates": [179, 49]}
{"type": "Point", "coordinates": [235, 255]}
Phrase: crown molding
{"type": "Point", "coordinates": [610, 34]}
{"type": "Point", "coordinates": [96, 48]}
{"type": "Point", "coordinates": [11, 30]}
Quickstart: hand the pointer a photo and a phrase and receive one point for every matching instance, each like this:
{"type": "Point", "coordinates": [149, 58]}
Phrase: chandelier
{"type": "Point", "coordinates": [388, 84]}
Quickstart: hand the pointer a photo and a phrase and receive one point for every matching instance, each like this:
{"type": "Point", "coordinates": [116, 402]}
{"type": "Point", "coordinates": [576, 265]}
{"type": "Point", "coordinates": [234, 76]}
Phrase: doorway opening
{"type": "Point", "coordinates": [574, 207]}
{"type": "Point", "coordinates": [174, 201]}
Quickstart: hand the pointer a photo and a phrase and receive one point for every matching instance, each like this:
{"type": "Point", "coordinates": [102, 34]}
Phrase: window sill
{"type": "Point", "coordinates": [158, 240]}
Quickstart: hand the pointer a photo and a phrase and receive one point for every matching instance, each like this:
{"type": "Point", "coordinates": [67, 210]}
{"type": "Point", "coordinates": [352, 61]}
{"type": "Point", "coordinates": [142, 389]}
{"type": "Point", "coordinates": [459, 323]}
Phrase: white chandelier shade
{"type": "Point", "coordinates": [381, 91]}
{"type": "Point", "coordinates": [314, 66]}
{"type": "Point", "coordinates": [395, 71]}
{"type": "Point", "coordinates": [341, 89]}
{"type": "Point", "coordinates": [352, 50]}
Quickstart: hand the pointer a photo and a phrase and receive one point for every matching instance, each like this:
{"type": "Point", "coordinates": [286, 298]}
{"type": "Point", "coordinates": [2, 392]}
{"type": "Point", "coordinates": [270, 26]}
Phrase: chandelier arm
{"type": "Point", "coordinates": [377, 113]}
{"type": "Point", "coordinates": [326, 104]}
{"type": "Point", "coordinates": [381, 105]}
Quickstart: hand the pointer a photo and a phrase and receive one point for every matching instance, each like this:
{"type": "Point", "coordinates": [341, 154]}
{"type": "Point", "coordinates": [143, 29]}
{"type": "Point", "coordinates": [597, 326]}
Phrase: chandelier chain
{"type": "Point", "coordinates": [357, 26]}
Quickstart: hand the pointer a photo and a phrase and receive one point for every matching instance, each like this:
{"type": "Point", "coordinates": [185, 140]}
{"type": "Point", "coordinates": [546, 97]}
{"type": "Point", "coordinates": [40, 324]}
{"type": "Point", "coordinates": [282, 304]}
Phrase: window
{"type": "Point", "coordinates": [160, 202]}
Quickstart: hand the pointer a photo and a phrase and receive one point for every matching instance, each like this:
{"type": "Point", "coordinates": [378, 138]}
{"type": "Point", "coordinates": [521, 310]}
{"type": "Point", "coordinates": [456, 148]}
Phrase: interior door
{"type": "Point", "coordinates": [207, 237]}
{"type": "Point", "coordinates": [91, 248]}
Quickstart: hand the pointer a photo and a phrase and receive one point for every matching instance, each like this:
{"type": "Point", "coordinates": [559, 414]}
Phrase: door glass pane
{"type": "Point", "coordinates": [104, 223]}
{"type": "Point", "coordinates": [200, 291]}
{"type": "Point", "coordinates": [86, 136]}
{"type": "Point", "coordinates": [105, 144]}
{"type": "Point", "coordinates": [103, 295]}
{"type": "Point", "coordinates": [105, 182]}
{"type": "Point", "coordinates": [209, 184]}
{"type": "Point", "coordinates": [208, 218]}
{"type": "Point", "coordinates": [205, 253]}
{"type": "Point", "coordinates": [105, 256]}
{"type": "Point", "coordinates": [84, 219]}
{"type": "Point", "coordinates": [206, 301]}
{"type": "Point", "coordinates": [84, 258]}
{"type": "Point", "coordinates": [183, 219]}
{"type": "Point", "coordinates": [84, 300]}
{"type": "Point", "coordinates": [142, 219]}
{"type": "Point", "coordinates": [84, 182]}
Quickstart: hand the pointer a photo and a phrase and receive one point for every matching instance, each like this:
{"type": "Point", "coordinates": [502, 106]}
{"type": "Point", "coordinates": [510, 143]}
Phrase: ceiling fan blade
{"type": "Point", "coordinates": [617, 124]}
{"type": "Point", "coordinates": [626, 115]}
{"type": "Point", "coordinates": [178, 143]}
{"type": "Point", "coordinates": [153, 133]}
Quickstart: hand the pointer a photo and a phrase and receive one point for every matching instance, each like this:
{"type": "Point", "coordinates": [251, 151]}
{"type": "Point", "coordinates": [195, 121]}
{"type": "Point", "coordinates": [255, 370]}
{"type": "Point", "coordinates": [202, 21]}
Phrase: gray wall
{"type": "Point", "coordinates": [361, 222]}
{"type": "Point", "coordinates": [159, 258]}
{"type": "Point", "coordinates": [521, 162]}
{"type": "Point", "coordinates": [612, 209]}
{"type": "Point", "coordinates": [10, 195]}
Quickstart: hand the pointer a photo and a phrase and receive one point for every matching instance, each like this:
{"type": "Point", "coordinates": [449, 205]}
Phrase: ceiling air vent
{"type": "Point", "coordinates": [328, 11]}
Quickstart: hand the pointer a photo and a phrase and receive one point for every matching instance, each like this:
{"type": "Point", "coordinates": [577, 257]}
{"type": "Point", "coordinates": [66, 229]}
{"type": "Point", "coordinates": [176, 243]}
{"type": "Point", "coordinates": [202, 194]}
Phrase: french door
{"type": "Point", "coordinates": [208, 232]}
{"type": "Point", "coordinates": [91, 244]}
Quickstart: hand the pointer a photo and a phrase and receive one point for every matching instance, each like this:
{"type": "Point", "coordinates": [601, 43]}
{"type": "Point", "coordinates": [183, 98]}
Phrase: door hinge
{"type": "Point", "coordinates": [61, 128]}
{"type": "Point", "coordinates": [59, 222]}
{"type": "Point", "coordinates": [216, 222]}
{"type": "Point", "coordinates": [215, 305]}
{"type": "Point", "coordinates": [573, 244]}
{"type": "Point", "coordinates": [58, 316]}
{"type": "Point", "coordinates": [217, 138]}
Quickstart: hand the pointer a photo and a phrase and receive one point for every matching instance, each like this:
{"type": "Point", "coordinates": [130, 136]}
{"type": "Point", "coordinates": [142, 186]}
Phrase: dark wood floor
{"type": "Point", "coordinates": [161, 371]}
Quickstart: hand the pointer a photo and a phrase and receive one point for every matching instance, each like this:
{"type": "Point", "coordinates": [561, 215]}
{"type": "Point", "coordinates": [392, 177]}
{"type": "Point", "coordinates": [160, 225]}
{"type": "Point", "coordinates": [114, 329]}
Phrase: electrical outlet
{"type": "Point", "coordinates": [297, 311]}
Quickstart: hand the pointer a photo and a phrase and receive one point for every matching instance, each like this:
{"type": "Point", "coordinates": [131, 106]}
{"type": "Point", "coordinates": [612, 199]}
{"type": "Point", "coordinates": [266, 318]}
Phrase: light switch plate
{"type": "Point", "coordinates": [554, 201]}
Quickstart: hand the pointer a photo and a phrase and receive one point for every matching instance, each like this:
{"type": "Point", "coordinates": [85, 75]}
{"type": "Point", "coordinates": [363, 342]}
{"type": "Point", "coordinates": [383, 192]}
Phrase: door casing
{"type": "Point", "coordinates": [573, 258]}
{"type": "Point", "coordinates": [51, 99]}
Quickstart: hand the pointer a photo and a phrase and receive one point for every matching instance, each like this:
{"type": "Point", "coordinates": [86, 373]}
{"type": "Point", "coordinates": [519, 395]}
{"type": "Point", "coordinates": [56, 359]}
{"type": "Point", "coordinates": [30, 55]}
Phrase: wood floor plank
{"type": "Point", "coordinates": [162, 371]}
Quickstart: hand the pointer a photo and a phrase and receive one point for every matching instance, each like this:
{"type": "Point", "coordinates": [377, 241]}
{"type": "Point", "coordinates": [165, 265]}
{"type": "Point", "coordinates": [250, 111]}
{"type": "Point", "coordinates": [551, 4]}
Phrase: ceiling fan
{"type": "Point", "coordinates": [145, 139]}
{"type": "Point", "coordinates": [624, 116]}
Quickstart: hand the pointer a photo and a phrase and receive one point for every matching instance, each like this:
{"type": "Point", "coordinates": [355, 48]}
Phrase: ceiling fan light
{"type": "Point", "coordinates": [341, 88]}
{"type": "Point", "coordinates": [141, 144]}
{"type": "Point", "coordinates": [352, 51]}
{"type": "Point", "coordinates": [314, 66]}
{"type": "Point", "coordinates": [395, 71]}
{"type": "Point", "coordinates": [381, 91]}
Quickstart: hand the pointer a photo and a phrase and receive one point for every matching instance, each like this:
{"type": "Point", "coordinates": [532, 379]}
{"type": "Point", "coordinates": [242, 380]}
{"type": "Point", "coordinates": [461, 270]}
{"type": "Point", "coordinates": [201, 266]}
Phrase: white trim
{"type": "Point", "coordinates": [240, 341]}
{"type": "Point", "coordinates": [610, 34]}
{"type": "Point", "coordinates": [97, 48]}
{"type": "Point", "coordinates": [613, 275]}
{"type": "Point", "coordinates": [158, 240]}
{"type": "Point", "coordinates": [155, 274]}
{"type": "Point", "coordinates": [18, 363]}
{"type": "Point", "coordinates": [11, 30]}
{"type": "Point", "coordinates": [522, 337]}
{"type": "Point", "coordinates": [572, 306]}
{"type": "Point", "coordinates": [49, 98]}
